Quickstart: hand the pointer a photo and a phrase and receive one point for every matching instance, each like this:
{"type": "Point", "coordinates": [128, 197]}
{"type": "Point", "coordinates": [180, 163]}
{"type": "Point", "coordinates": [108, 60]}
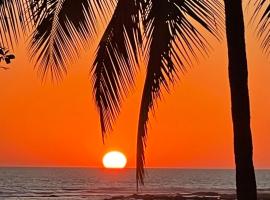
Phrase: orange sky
{"type": "Point", "coordinates": [57, 125]}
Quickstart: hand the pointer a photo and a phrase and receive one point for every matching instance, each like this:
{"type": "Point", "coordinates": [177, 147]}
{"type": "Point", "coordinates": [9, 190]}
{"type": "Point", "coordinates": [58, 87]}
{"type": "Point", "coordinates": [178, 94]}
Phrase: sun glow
{"type": "Point", "coordinates": [114, 160]}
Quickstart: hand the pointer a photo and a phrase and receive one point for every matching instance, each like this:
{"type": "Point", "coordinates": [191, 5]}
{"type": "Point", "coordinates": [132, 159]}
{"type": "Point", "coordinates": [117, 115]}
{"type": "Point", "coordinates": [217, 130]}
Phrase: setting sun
{"type": "Point", "coordinates": [114, 160]}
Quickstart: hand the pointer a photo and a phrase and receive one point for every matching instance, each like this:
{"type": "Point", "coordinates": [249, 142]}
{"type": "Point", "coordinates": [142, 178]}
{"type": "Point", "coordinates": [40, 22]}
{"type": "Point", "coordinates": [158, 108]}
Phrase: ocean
{"type": "Point", "coordinates": [97, 184]}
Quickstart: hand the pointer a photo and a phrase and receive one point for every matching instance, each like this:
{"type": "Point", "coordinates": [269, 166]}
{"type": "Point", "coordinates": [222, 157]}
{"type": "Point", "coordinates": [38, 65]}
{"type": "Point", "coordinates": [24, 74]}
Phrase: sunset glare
{"type": "Point", "coordinates": [114, 160]}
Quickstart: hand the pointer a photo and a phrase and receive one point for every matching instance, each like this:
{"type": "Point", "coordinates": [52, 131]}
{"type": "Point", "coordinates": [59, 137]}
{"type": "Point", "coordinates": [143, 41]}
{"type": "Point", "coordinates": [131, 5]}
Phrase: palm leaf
{"type": "Point", "coordinates": [61, 27]}
{"type": "Point", "coordinates": [172, 41]}
{"type": "Point", "coordinates": [116, 59]}
{"type": "Point", "coordinates": [262, 10]}
{"type": "Point", "coordinates": [12, 21]}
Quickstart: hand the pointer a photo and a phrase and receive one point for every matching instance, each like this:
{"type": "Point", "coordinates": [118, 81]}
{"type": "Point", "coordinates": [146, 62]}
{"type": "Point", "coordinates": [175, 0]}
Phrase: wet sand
{"type": "Point", "coordinates": [191, 196]}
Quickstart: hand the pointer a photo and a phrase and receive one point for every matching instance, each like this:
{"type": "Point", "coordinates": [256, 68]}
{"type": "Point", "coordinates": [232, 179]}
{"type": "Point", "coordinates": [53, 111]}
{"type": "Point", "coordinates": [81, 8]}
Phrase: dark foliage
{"type": "Point", "coordinates": [62, 26]}
{"type": "Point", "coordinates": [12, 21]}
{"type": "Point", "coordinates": [172, 39]}
{"type": "Point", "coordinates": [262, 13]}
{"type": "Point", "coordinates": [6, 56]}
{"type": "Point", "coordinates": [116, 60]}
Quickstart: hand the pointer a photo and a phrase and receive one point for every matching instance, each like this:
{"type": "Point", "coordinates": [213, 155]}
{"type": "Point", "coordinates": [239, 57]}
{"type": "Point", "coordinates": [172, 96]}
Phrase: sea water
{"type": "Point", "coordinates": [96, 184]}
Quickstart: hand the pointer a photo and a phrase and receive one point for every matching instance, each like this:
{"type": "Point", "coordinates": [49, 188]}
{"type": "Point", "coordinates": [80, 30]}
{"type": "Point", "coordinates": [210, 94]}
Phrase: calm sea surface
{"type": "Point", "coordinates": [96, 184]}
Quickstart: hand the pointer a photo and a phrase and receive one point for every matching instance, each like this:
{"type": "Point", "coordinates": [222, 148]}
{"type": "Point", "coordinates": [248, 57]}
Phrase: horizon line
{"type": "Point", "coordinates": [96, 167]}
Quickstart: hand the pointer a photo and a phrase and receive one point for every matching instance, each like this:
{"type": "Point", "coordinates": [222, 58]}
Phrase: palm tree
{"type": "Point", "coordinates": [238, 76]}
{"type": "Point", "coordinates": [161, 68]}
{"type": "Point", "coordinates": [245, 176]}
{"type": "Point", "coordinates": [172, 39]}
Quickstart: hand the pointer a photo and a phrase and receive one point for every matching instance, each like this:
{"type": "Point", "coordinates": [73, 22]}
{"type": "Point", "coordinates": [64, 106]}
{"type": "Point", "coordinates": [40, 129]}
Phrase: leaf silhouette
{"type": "Point", "coordinates": [11, 56]}
{"type": "Point", "coordinates": [263, 12]}
{"type": "Point", "coordinates": [172, 39]}
{"type": "Point", "coordinates": [12, 21]}
{"type": "Point", "coordinates": [2, 52]}
{"type": "Point", "coordinates": [7, 60]}
{"type": "Point", "coordinates": [116, 60]}
{"type": "Point", "coordinates": [62, 26]}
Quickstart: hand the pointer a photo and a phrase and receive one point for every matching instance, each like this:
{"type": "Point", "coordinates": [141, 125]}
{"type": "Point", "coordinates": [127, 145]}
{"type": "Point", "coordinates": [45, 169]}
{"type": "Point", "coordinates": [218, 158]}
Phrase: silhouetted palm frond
{"type": "Point", "coordinates": [263, 27]}
{"type": "Point", "coordinates": [12, 17]}
{"type": "Point", "coordinates": [116, 60]}
{"type": "Point", "coordinates": [61, 27]}
{"type": "Point", "coordinates": [173, 39]}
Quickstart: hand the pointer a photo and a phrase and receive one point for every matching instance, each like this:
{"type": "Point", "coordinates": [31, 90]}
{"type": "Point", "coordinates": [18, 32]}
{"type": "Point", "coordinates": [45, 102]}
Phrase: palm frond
{"type": "Point", "coordinates": [262, 10]}
{"type": "Point", "coordinates": [173, 32]}
{"type": "Point", "coordinates": [61, 27]}
{"type": "Point", "coordinates": [12, 21]}
{"type": "Point", "coordinates": [116, 59]}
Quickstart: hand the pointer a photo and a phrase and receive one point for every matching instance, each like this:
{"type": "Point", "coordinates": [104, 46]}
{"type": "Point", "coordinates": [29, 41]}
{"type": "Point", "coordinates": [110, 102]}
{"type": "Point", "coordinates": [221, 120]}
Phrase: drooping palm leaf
{"type": "Point", "coordinates": [12, 21]}
{"type": "Point", "coordinates": [263, 27]}
{"type": "Point", "coordinates": [62, 26]}
{"type": "Point", "coordinates": [173, 39]}
{"type": "Point", "coordinates": [116, 59]}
